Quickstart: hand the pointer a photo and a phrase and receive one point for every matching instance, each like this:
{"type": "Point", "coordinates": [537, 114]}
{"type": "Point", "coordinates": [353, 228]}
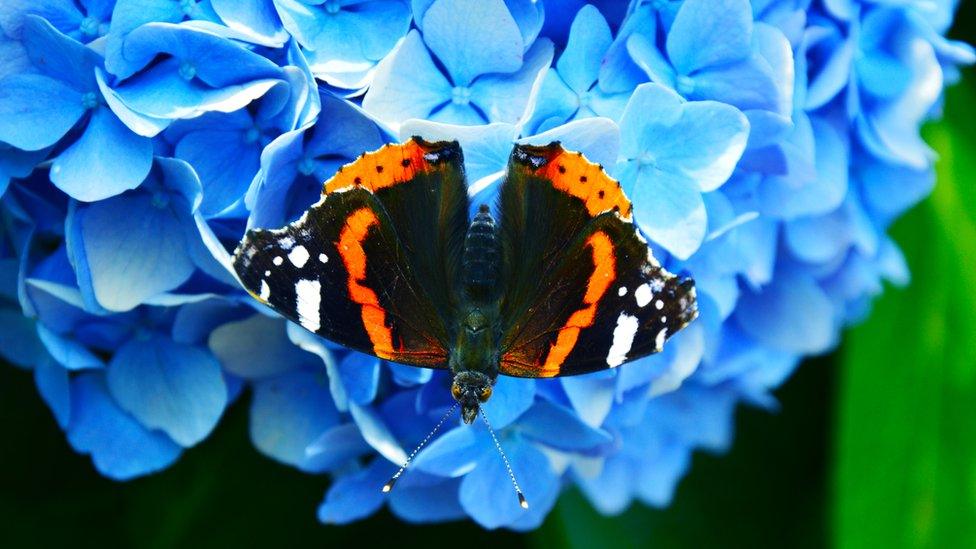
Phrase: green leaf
{"type": "Point", "coordinates": [905, 463]}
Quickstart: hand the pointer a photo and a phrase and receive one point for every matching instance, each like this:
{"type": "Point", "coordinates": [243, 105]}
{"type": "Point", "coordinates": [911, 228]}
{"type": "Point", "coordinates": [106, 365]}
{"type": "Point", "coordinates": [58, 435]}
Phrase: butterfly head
{"type": "Point", "coordinates": [471, 389]}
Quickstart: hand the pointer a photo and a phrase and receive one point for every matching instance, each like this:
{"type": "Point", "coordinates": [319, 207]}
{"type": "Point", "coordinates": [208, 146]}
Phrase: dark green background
{"type": "Point", "coordinates": [875, 445]}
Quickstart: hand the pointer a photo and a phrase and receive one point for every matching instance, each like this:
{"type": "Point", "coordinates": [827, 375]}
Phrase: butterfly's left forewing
{"type": "Point", "coordinates": [366, 267]}
{"type": "Point", "coordinates": [593, 297]}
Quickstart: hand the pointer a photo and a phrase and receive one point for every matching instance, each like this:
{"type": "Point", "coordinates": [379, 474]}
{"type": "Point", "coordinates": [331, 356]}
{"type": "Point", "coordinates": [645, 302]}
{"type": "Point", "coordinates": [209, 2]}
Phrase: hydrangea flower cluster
{"type": "Point", "coordinates": [767, 146]}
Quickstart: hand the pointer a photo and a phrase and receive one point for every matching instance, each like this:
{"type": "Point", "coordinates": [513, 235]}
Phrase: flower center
{"type": "Point", "coordinates": [160, 199]}
{"type": "Point", "coordinates": [584, 99]}
{"type": "Point", "coordinates": [646, 159]}
{"type": "Point", "coordinates": [89, 26]}
{"type": "Point", "coordinates": [332, 7]}
{"type": "Point", "coordinates": [684, 85]}
{"type": "Point", "coordinates": [188, 7]}
{"type": "Point", "coordinates": [89, 100]}
{"type": "Point", "coordinates": [306, 166]}
{"type": "Point", "coordinates": [461, 95]}
{"type": "Point", "coordinates": [252, 135]}
{"type": "Point", "coordinates": [187, 70]}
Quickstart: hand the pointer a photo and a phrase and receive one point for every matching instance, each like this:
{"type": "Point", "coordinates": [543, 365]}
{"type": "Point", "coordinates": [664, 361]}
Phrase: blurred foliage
{"type": "Point", "coordinates": [906, 431]}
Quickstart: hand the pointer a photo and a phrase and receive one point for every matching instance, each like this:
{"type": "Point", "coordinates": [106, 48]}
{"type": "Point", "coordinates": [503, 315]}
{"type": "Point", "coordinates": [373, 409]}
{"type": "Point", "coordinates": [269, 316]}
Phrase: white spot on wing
{"type": "Point", "coordinates": [286, 242]}
{"type": "Point", "coordinates": [298, 256]}
{"type": "Point", "coordinates": [323, 258]}
{"type": "Point", "coordinates": [265, 290]}
{"type": "Point", "coordinates": [623, 339]}
{"type": "Point", "coordinates": [278, 260]}
{"type": "Point", "coordinates": [643, 295]}
{"type": "Point", "coordinates": [308, 295]}
{"type": "Point", "coordinates": [622, 291]}
{"type": "Point", "coordinates": [659, 304]}
{"type": "Point", "coordinates": [659, 340]}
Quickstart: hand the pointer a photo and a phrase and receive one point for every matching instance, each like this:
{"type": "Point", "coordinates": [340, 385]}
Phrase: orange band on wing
{"type": "Point", "coordinates": [350, 247]}
{"type": "Point", "coordinates": [604, 273]}
{"type": "Point", "coordinates": [571, 173]}
{"type": "Point", "coordinates": [388, 166]}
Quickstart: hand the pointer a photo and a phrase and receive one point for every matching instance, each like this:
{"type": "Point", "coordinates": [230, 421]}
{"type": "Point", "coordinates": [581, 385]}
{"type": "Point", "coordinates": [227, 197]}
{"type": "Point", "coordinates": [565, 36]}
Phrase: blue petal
{"type": "Point", "coordinates": [19, 343]}
{"type": "Point", "coordinates": [15, 163]}
{"type": "Point", "coordinates": [257, 347]}
{"type": "Point", "coordinates": [120, 446]}
{"type": "Point", "coordinates": [656, 482]}
{"type": "Point", "coordinates": [650, 59]}
{"type": "Point", "coordinates": [377, 433]}
{"type": "Point", "coordinates": [692, 44]}
{"type": "Point", "coordinates": [591, 396]}
{"type": "Point", "coordinates": [612, 490]}
{"type": "Point", "coordinates": [792, 314]}
{"type": "Point", "coordinates": [58, 56]}
{"type": "Point", "coordinates": [356, 495]}
{"type": "Point", "coordinates": [140, 124]}
{"type": "Point", "coordinates": [454, 453]}
{"type": "Point", "coordinates": [289, 413]}
{"type": "Point", "coordinates": [215, 61]}
{"type": "Point", "coordinates": [511, 397]}
{"type": "Point", "coordinates": [131, 247]}
{"type": "Point", "coordinates": [473, 37]}
{"type": "Point", "coordinates": [349, 41]}
{"type": "Point", "coordinates": [749, 84]}
{"type": "Point", "coordinates": [335, 448]}
{"type": "Point", "coordinates": [555, 104]}
{"type": "Point", "coordinates": [63, 14]}
{"type": "Point", "coordinates": [360, 374]}
{"type": "Point", "coordinates": [559, 427]}
{"type": "Point", "coordinates": [706, 143]}
{"type": "Point", "coordinates": [68, 352]}
{"type": "Point", "coordinates": [784, 199]}
{"type": "Point", "coordinates": [406, 85]}
{"type": "Point", "coordinates": [54, 386]}
{"type": "Point", "coordinates": [163, 93]}
{"type": "Point", "coordinates": [226, 163]}
{"type": "Point", "coordinates": [36, 111]}
{"type": "Point", "coordinates": [670, 210]}
{"type": "Point", "coordinates": [170, 386]}
{"type": "Point", "coordinates": [589, 39]}
{"type": "Point", "coordinates": [194, 322]}
{"type": "Point", "coordinates": [427, 504]}
{"type": "Point", "coordinates": [84, 172]}
{"type": "Point", "coordinates": [619, 73]}
{"type": "Point", "coordinates": [510, 97]}
{"type": "Point", "coordinates": [408, 376]}
{"type": "Point", "coordinates": [489, 482]}
{"type": "Point", "coordinates": [683, 354]}
{"type": "Point", "coordinates": [253, 17]}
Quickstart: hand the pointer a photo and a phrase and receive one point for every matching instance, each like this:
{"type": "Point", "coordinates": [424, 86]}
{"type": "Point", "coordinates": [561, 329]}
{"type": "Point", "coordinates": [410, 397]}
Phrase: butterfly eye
{"type": "Point", "coordinates": [485, 393]}
{"type": "Point", "coordinates": [456, 391]}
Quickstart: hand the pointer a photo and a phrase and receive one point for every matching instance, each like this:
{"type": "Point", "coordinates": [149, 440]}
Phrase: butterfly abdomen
{"type": "Point", "coordinates": [481, 255]}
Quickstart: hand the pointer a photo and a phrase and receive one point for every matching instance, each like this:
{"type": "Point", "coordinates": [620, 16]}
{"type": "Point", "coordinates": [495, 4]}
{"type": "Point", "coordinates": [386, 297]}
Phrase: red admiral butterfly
{"type": "Point", "coordinates": [387, 263]}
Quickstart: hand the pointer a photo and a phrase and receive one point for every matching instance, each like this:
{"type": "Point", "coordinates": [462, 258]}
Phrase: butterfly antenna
{"type": "Point", "coordinates": [518, 491]}
{"type": "Point", "coordinates": [389, 484]}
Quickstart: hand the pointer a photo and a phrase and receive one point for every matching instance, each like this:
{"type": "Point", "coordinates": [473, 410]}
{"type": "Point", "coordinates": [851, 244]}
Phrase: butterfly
{"type": "Point", "coordinates": [389, 263]}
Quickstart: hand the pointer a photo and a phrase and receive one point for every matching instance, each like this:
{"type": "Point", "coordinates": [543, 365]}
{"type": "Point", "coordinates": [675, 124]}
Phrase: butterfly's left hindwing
{"type": "Point", "coordinates": [591, 296]}
{"type": "Point", "coordinates": [340, 272]}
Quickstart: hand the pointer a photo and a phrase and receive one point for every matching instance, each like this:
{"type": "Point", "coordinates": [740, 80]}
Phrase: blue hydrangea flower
{"type": "Point", "coordinates": [491, 72]}
{"type": "Point", "coordinates": [767, 146]}
{"type": "Point", "coordinates": [61, 95]}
